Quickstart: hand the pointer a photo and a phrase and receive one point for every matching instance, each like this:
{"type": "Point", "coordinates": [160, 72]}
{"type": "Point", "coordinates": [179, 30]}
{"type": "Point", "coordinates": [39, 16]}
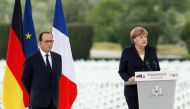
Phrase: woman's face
{"type": "Point", "coordinates": [141, 40]}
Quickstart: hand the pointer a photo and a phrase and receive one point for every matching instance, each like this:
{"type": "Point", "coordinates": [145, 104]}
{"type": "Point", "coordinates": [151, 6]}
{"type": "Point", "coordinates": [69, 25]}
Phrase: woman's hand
{"type": "Point", "coordinates": [132, 79]}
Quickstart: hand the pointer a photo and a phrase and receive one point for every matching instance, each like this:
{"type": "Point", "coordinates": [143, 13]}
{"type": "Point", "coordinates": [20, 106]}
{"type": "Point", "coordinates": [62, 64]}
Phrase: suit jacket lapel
{"type": "Point", "coordinates": [41, 61]}
{"type": "Point", "coordinates": [136, 54]}
{"type": "Point", "coordinates": [53, 61]}
{"type": "Point", "coordinates": [146, 54]}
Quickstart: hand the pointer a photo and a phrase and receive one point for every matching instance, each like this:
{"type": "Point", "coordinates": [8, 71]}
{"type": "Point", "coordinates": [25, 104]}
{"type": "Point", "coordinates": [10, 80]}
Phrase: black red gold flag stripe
{"type": "Point", "coordinates": [14, 94]}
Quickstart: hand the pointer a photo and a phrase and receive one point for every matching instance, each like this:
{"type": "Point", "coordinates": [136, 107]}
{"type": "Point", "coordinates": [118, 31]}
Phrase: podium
{"type": "Point", "coordinates": [156, 89]}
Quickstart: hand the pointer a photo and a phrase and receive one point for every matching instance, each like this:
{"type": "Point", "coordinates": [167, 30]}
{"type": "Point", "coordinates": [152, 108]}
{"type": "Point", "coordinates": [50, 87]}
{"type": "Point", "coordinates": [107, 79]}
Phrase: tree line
{"type": "Point", "coordinates": [112, 19]}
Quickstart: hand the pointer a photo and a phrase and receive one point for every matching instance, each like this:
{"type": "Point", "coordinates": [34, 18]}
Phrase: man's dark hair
{"type": "Point", "coordinates": [41, 34]}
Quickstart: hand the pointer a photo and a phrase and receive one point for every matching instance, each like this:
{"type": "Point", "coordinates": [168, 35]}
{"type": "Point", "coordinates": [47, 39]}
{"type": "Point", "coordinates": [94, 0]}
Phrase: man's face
{"type": "Point", "coordinates": [47, 42]}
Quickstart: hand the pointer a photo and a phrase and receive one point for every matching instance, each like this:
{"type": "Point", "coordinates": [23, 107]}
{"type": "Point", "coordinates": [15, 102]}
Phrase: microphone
{"type": "Point", "coordinates": [151, 65]}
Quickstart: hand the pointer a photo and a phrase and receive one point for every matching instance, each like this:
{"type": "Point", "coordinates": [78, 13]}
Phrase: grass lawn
{"type": "Point", "coordinates": [172, 50]}
{"type": "Point", "coordinates": [166, 49]}
{"type": "Point", "coordinates": [106, 46]}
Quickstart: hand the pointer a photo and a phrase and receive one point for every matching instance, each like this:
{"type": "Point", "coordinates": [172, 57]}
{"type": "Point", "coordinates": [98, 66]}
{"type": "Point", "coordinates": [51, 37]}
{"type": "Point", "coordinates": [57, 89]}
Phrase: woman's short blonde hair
{"type": "Point", "coordinates": [137, 31]}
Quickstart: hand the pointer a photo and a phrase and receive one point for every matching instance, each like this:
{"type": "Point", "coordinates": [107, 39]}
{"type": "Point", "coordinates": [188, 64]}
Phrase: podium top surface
{"type": "Point", "coordinates": [155, 75]}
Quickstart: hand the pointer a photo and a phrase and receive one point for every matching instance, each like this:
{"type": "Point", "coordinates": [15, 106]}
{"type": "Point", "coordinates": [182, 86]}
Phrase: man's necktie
{"type": "Point", "coordinates": [47, 63]}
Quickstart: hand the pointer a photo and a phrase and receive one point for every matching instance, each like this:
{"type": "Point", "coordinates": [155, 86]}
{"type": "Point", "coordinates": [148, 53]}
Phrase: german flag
{"type": "Point", "coordinates": [14, 94]}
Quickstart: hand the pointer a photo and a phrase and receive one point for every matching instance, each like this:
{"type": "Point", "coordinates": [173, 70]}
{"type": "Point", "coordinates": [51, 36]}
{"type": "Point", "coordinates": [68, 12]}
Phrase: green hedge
{"type": "Point", "coordinates": [185, 35]}
{"type": "Point", "coordinates": [153, 33]}
{"type": "Point", "coordinates": [81, 36]}
{"type": "Point", "coordinates": [4, 36]}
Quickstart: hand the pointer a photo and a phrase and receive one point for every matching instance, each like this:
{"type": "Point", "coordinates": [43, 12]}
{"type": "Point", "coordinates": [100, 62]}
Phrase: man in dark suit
{"type": "Point", "coordinates": [41, 75]}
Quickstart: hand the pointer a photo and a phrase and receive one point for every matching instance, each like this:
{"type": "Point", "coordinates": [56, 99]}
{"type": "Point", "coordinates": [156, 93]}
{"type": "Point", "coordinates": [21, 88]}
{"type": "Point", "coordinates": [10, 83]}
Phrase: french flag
{"type": "Point", "coordinates": [68, 86]}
